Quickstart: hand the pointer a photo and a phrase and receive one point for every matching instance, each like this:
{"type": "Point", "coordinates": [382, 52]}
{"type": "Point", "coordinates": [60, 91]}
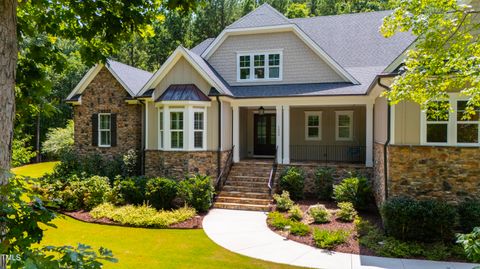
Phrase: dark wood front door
{"type": "Point", "coordinates": [264, 133]}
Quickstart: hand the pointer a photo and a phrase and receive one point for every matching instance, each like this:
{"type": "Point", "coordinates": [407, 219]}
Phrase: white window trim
{"type": "Point", "coordinates": [161, 129]}
{"type": "Point", "coordinates": [184, 121]}
{"type": "Point", "coordinates": [452, 125]}
{"type": "Point", "coordinates": [204, 130]}
{"type": "Point", "coordinates": [101, 130]}
{"type": "Point", "coordinates": [313, 113]}
{"type": "Point", "coordinates": [266, 66]}
{"type": "Point", "coordinates": [188, 127]}
{"type": "Point", "coordinates": [350, 127]}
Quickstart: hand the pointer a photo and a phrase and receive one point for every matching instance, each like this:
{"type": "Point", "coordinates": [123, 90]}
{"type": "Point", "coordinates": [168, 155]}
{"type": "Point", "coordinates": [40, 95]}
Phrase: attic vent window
{"type": "Point", "coordinates": [259, 66]}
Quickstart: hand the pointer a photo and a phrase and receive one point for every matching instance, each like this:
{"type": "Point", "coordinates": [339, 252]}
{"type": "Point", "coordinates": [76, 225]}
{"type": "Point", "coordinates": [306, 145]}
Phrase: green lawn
{"type": "Point", "coordinates": [151, 248]}
{"type": "Point", "coordinates": [143, 248]}
{"type": "Point", "coordinates": [34, 170]}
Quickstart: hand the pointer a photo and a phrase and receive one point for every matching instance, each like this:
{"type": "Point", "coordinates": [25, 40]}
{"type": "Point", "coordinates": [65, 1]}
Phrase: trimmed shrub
{"type": "Point", "coordinates": [355, 190]}
{"type": "Point", "coordinates": [319, 214]}
{"type": "Point", "coordinates": [469, 214]}
{"type": "Point", "coordinates": [85, 194]}
{"type": "Point", "coordinates": [197, 192]}
{"type": "Point", "coordinates": [346, 212]}
{"type": "Point", "coordinates": [296, 213]}
{"type": "Point", "coordinates": [283, 201]}
{"type": "Point", "coordinates": [298, 228]}
{"type": "Point", "coordinates": [410, 220]}
{"type": "Point", "coordinates": [471, 244]}
{"type": "Point", "coordinates": [329, 239]}
{"type": "Point", "coordinates": [142, 216]}
{"type": "Point", "coordinates": [278, 220]}
{"type": "Point", "coordinates": [131, 190]}
{"type": "Point", "coordinates": [324, 183]}
{"type": "Point", "coordinates": [293, 180]}
{"type": "Point", "coordinates": [160, 192]}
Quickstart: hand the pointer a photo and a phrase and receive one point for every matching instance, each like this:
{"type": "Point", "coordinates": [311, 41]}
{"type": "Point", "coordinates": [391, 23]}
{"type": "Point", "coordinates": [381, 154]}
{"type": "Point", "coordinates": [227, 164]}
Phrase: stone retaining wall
{"type": "Point", "coordinates": [425, 172]}
{"type": "Point", "coordinates": [341, 171]}
{"type": "Point", "coordinates": [180, 164]}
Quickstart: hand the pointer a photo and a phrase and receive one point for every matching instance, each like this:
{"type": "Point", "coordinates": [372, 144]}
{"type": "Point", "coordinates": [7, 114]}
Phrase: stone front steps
{"type": "Point", "coordinates": [246, 187]}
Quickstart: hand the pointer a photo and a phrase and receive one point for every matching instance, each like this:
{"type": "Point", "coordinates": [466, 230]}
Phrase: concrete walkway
{"type": "Point", "coordinates": [246, 233]}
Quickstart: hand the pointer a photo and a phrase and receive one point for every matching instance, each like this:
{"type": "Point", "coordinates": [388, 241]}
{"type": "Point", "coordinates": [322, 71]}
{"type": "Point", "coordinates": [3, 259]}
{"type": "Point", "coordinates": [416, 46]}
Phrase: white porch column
{"type": "Point", "coordinates": [279, 133]}
{"type": "Point", "coordinates": [369, 135]}
{"type": "Point", "coordinates": [236, 134]}
{"type": "Point", "coordinates": [286, 134]}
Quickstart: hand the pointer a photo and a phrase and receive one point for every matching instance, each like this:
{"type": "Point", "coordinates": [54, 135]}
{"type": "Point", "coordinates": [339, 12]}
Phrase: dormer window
{"type": "Point", "coordinates": [259, 66]}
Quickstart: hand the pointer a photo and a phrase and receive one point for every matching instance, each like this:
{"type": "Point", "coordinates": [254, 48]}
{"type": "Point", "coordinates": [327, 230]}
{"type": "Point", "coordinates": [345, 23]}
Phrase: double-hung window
{"type": "Point", "coordinates": [176, 130]}
{"type": "Point", "coordinates": [313, 125]}
{"type": "Point", "coordinates": [198, 129]}
{"type": "Point", "coordinates": [104, 129]}
{"type": "Point", "coordinates": [467, 123]}
{"type": "Point", "coordinates": [343, 125]}
{"type": "Point", "coordinates": [258, 66]}
{"type": "Point", "coordinates": [437, 119]}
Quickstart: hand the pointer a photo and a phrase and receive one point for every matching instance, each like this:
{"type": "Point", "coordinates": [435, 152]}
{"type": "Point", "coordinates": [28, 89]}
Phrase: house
{"type": "Point", "coordinates": [271, 90]}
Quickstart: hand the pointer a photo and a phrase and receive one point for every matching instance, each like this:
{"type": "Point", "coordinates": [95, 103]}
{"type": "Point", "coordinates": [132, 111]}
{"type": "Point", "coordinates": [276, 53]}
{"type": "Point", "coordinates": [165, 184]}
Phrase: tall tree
{"type": "Point", "coordinates": [446, 55]}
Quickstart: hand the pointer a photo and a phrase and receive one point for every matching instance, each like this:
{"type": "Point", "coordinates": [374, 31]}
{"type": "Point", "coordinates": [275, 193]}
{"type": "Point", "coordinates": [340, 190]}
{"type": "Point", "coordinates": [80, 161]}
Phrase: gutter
{"type": "Point", "coordinates": [144, 130]}
{"type": "Point", "coordinates": [219, 151]}
{"type": "Point", "coordinates": [387, 142]}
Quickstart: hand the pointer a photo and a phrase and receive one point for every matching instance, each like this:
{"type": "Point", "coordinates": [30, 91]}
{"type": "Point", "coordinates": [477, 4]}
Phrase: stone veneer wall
{"type": "Point", "coordinates": [106, 94]}
{"type": "Point", "coordinates": [341, 171]}
{"type": "Point", "coordinates": [378, 179]}
{"type": "Point", "coordinates": [180, 164]}
{"type": "Point", "coordinates": [424, 172]}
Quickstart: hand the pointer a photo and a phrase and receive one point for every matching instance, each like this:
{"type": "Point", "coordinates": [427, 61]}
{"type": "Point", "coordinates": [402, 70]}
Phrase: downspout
{"type": "Point", "coordinates": [387, 142]}
{"type": "Point", "coordinates": [144, 130]}
{"type": "Point", "coordinates": [219, 150]}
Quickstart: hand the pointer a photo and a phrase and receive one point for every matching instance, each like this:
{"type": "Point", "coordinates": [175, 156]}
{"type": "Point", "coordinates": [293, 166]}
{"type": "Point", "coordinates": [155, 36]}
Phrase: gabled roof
{"type": "Point", "coordinates": [197, 62]}
{"type": "Point", "coordinates": [132, 79]}
{"type": "Point", "coordinates": [200, 48]}
{"type": "Point", "coordinates": [183, 92]}
{"type": "Point", "coordinates": [264, 15]}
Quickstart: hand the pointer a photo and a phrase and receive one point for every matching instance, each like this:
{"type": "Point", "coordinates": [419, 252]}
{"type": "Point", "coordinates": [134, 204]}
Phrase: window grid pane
{"type": "Point", "coordinates": [264, 66]}
{"type": "Point", "coordinates": [198, 139]}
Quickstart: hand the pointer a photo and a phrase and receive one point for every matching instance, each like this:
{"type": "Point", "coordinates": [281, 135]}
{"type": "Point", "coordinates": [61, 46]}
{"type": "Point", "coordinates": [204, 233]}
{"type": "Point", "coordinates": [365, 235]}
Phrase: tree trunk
{"type": "Point", "coordinates": [8, 65]}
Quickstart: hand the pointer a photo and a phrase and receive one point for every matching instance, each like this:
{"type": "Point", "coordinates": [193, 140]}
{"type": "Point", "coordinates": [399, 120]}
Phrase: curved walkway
{"type": "Point", "coordinates": [246, 233]}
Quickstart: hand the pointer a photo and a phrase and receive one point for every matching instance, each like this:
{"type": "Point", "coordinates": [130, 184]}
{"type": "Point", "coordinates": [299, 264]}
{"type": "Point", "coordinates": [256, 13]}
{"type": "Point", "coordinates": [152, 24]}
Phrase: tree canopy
{"type": "Point", "coordinates": [445, 56]}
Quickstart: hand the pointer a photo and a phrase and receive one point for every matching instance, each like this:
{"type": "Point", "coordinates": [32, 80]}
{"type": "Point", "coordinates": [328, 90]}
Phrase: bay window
{"type": "Point", "coordinates": [182, 128]}
{"type": "Point", "coordinates": [258, 66]}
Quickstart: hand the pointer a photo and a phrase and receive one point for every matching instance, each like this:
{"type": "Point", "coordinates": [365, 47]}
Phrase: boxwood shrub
{"type": "Point", "coordinates": [410, 220]}
{"type": "Point", "coordinates": [131, 190]}
{"type": "Point", "coordinates": [197, 192]}
{"type": "Point", "coordinates": [292, 180]}
{"type": "Point", "coordinates": [469, 214]}
{"type": "Point", "coordinates": [160, 192]}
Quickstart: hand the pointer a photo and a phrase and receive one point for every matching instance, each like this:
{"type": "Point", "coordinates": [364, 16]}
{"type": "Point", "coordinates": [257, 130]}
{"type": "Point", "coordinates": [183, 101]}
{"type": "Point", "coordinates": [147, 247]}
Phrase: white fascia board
{"type": "Point", "coordinates": [170, 63]}
{"type": "Point", "coordinates": [183, 103]}
{"type": "Point", "coordinates": [85, 81]}
{"type": "Point", "coordinates": [280, 28]}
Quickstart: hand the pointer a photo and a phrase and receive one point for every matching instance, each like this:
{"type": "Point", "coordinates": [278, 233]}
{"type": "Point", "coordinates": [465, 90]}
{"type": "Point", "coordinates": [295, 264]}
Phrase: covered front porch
{"type": "Point", "coordinates": [331, 131]}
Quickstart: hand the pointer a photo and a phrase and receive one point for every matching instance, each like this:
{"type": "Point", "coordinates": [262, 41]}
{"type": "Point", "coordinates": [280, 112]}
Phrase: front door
{"type": "Point", "coordinates": [264, 132]}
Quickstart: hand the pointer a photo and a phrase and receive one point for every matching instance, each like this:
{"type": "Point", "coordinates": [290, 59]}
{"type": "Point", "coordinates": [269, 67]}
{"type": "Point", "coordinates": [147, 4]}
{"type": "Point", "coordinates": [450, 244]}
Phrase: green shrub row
{"type": "Point", "coordinates": [85, 192]}
{"type": "Point", "coordinates": [411, 220]}
{"type": "Point", "coordinates": [142, 216]}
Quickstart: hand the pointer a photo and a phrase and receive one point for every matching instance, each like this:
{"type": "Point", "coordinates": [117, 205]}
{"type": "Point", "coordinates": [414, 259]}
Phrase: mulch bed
{"type": "Point", "coordinates": [352, 245]}
{"type": "Point", "coordinates": [193, 223]}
